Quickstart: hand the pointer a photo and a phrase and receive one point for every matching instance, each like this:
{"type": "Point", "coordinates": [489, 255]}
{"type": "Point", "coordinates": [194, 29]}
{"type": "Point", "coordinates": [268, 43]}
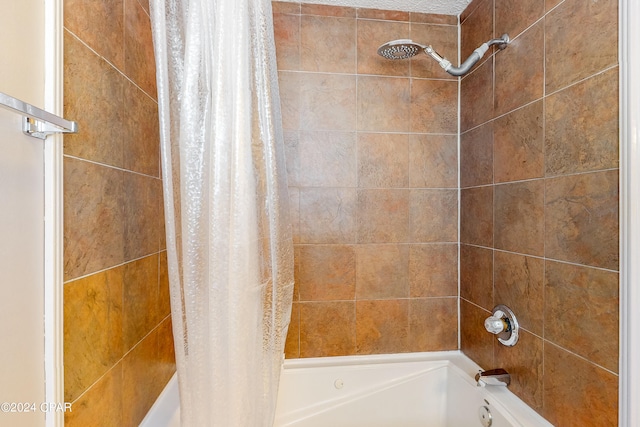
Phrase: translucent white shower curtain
{"type": "Point", "coordinates": [228, 235]}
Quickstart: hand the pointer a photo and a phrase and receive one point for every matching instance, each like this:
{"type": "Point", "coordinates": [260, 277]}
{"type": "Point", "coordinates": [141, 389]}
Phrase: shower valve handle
{"type": "Point", "coordinates": [503, 324]}
{"type": "Point", "coordinates": [496, 323]}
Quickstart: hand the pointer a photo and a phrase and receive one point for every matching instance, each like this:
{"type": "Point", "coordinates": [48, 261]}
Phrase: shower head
{"type": "Point", "coordinates": [400, 49]}
{"type": "Point", "coordinates": [404, 48]}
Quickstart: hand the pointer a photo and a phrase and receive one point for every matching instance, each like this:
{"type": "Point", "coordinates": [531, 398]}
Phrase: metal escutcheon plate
{"type": "Point", "coordinates": [484, 414]}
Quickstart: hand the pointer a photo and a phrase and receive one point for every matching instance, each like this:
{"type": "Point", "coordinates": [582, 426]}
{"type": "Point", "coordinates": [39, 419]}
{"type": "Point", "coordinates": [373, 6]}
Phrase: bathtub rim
{"type": "Point", "coordinates": [166, 405]}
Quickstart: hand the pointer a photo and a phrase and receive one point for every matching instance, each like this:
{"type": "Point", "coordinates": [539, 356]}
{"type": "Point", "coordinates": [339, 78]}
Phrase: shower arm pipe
{"type": "Point", "coordinates": [475, 56]}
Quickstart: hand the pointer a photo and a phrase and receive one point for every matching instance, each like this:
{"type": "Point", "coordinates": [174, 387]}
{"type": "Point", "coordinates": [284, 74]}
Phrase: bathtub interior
{"type": "Point", "coordinates": [365, 394]}
{"type": "Point", "coordinates": [434, 389]}
{"type": "Point", "coordinates": [416, 389]}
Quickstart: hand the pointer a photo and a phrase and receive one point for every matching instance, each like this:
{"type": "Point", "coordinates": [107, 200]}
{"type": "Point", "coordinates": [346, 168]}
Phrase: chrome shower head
{"type": "Point", "coordinates": [404, 48]}
{"type": "Point", "coordinates": [400, 49]}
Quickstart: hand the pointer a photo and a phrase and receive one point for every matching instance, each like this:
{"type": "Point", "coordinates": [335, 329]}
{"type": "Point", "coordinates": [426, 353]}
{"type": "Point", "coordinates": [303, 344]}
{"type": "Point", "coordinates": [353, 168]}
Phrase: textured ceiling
{"type": "Point", "coordinates": [444, 7]}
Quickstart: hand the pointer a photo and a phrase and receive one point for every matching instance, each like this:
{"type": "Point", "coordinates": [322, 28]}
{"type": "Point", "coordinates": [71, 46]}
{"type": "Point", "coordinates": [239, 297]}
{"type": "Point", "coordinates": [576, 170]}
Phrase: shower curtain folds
{"type": "Point", "coordinates": [229, 244]}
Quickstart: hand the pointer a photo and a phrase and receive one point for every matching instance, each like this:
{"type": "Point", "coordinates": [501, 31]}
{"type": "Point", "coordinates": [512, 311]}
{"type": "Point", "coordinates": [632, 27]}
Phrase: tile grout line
{"type": "Point", "coordinates": [111, 64]}
{"type": "Point", "coordinates": [121, 359]}
{"type": "Point", "coordinates": [104, 270]}
{"type": "Point", "coordinates": [106, 165]}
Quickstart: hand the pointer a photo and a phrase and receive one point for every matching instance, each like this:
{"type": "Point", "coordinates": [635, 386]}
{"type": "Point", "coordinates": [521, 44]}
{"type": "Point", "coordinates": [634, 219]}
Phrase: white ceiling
{"type": "Point", "coordinates": [443, 7]}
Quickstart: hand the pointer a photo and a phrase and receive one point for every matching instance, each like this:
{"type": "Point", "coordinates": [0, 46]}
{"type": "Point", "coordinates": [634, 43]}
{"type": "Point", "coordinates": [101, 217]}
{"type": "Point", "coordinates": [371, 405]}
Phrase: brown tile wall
{"type": "Point", "coordinates": [372, 164]}
{"type": "Point", "coordinates": [539, 201]}
{"type": "Point", "coordinates": [118, 346]}
{"type": "Point", "coordinates": [373, 181]}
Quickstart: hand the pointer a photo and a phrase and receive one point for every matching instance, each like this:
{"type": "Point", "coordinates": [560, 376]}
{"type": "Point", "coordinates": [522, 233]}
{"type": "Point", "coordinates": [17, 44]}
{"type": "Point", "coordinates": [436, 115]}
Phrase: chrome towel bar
{"type": "Point", "coordinates": [36, 122]}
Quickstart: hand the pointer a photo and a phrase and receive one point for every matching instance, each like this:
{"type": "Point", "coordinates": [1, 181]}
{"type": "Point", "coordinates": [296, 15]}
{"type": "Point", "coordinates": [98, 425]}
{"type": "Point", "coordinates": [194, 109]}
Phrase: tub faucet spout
{"type": "Point", "coordinates": [492, 377]}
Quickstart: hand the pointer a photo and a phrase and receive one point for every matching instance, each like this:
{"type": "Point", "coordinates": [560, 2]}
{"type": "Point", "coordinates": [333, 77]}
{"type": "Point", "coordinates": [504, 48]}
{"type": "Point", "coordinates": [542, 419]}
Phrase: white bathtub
{"type": "Point", "coordinates": [405, 390]}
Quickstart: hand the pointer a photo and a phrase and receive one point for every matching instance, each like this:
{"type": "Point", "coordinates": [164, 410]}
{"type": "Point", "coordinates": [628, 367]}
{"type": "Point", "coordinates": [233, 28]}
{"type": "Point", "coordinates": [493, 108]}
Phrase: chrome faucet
{"type": "Point", "coordinates": [492, 377]}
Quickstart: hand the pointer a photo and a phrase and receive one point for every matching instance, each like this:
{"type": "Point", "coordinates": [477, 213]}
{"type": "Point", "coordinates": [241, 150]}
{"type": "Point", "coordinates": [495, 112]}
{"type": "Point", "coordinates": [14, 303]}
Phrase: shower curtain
{"type": "Point", "coordinates": [229, 246]}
